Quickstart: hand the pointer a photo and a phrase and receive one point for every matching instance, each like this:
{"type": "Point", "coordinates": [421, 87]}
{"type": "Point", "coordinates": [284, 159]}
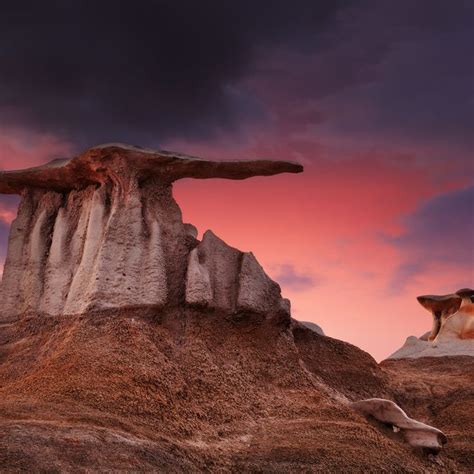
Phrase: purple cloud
{"type": "Point", "coordinates": [440, 232]}
{"type": "Point", "coordinates": [287, 276]}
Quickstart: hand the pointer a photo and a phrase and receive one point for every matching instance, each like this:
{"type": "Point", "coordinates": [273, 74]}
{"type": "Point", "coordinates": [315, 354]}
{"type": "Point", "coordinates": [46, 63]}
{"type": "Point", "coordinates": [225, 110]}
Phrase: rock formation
{"type": "Point", "coordinates": [432, 376]}
{"type": "Point", "coordinates": [452, 331]}
{"type": "Point", "coordinates": [102, 231]}
{"type": "Point", "coordinates": [440, 307]}
{"type": "Point", "coordinates": [417, 434]}
{"type": "Point", "coordinates": [223, 278]}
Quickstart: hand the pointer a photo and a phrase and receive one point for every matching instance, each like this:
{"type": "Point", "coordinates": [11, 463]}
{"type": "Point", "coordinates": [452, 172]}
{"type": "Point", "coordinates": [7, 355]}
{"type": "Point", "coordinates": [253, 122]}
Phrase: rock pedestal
{"type": "Point", "coordinates": [452, 332]}
{"type": "Point", "coordinates": [102, 231]}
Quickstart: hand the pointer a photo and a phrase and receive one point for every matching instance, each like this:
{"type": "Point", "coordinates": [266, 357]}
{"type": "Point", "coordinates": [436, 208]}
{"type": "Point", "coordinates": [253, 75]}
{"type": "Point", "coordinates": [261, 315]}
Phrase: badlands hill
{"type": "Point", "coordinates": [127, 344]}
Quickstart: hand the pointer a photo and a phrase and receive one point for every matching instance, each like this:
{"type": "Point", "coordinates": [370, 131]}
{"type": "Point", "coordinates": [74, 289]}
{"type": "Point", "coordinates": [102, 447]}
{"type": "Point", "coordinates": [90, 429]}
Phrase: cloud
{"type": "Point", "coordinates": [21, 148]}
{"type": "Point", "coordinates": [7, 212]}
{"type": "Point", "coordinates": [373, 70]}
{"type": "Point", "coordinates": [112, 70]}
{"type": "Point", "coordinates": [386, 76]}
{"type": "Point", "coordinates": [440, 233]}
{"type": "Point", "coordinates": [288, 277]}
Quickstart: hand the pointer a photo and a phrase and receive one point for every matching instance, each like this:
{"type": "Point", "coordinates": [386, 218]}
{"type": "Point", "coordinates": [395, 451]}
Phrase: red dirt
{"type": "Point", "coordinates": [441, 391]}
{"type": "Point", "coordinates": [194, 391]}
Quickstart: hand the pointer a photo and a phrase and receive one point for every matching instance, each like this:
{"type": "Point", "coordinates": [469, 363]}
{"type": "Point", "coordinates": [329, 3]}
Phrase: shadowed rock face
{"type": "Point", "coordinates": [102, 231]}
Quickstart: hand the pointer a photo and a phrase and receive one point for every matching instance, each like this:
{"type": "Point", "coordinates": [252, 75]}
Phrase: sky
{"type": "Point", "coordinates": [373, 97]}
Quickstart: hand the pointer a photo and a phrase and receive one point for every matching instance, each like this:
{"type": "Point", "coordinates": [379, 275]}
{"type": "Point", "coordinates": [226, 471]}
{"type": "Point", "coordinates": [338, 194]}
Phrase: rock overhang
{"type": "Point", "coordinates": [97, 164]}
{"type": "Point", "coordinates": [440, 303]}
{"type": "Point", "coordinates": [416, 433]}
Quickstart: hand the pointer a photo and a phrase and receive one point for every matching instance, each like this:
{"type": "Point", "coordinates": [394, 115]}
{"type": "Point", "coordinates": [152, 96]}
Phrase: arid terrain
{"type": "Point", "coordinates": [195, 391]}
{"type": "Point", "coordinates": [127, 344]}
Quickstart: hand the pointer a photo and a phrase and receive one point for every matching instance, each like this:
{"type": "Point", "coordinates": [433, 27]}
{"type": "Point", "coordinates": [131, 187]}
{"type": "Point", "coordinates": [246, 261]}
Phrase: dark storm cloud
{"type": "Point", "coordinates": [384, 73]}
{"type": "Point", "coordinates": [146, 72]}
{"type": "Point", "coordinates": [140, 71]}
{"type": "Point", "coordinates": [440, 232]}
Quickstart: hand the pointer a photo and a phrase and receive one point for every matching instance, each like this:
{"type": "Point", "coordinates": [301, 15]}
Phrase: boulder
{"type": "Point", "coordinates": [417, 434]}
{"type": "Point", "coordinates": [313, 326]}
{"type": "Point", "coordinates": [452, 332]}
{"type": "Point", "coordinates": [224, 278]}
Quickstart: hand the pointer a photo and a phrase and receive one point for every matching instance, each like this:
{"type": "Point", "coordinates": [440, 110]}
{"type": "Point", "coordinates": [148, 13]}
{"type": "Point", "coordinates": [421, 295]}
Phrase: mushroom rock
{"type": "Point", "coordinates": [467, 296]}
{"type": "Point", "coordinates": [441, 307]}
{"type": "Point", "coordinates": [452, 331]}
{"type": "Point", "coordinates": [417, 434]}
{"type": "Point", "coordinates": [102, 231]}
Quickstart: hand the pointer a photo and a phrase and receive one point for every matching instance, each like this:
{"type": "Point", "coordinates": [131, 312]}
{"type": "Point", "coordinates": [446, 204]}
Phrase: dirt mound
{"type": "Point", "coordinates": [189, 390]}
{"type": "Point", "coordinates": [439, 390]}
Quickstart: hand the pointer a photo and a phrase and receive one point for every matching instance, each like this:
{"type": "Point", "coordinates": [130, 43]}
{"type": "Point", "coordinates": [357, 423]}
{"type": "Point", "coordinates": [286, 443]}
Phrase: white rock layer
{"type": "Point", "coordinates": [89, 250]}
{"type": "Point", "coordinates": [221, 277]}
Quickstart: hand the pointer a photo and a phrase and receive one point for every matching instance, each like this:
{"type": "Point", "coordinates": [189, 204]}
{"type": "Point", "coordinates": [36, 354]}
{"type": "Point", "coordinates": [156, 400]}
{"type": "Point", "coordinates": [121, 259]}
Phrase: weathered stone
{"type": "Point", "coordinates": [467, 294]}
{"type": "Point", "coordinates": [417, 434]}
{"type": "Point", "coordinates": [191, 230]}
{"type": "Point", "coordinates": [112, 161]}
{"type": "Point", "coordinates": [222, 277]}
{"type": "Point", "coordinates": [198, 282]}
{"type": "Point", "coordinates": [452, 333]}
{"type": "Point", "coordinates": [103, 231]}
{"type": "Point", "coordinates": [441, 307]}
{"type": "Point", "coordinates": [256, 292]}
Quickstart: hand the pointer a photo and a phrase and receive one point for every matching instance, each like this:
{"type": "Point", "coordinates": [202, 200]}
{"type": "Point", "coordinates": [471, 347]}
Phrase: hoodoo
{"type": "Point", "coordinates": [102, 231]}
{"type": "Point", "coordinates": [452, 332]}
